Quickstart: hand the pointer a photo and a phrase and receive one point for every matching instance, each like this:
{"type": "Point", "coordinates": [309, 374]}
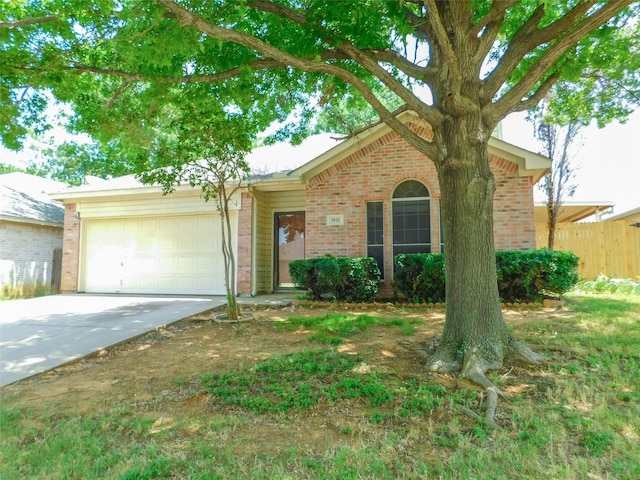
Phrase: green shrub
{"type": "Point", "coordinates": [526, 276]}
{"type": "Point", "coordinates": [420, 276]}
{"type": "Point", "coordinates": [523, 276]}
{"type": "Point", "coordinates": [339, 278]}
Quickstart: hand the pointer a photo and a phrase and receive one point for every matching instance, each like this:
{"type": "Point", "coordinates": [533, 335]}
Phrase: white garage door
{"type": "Point", "coordinates": [179, 254]}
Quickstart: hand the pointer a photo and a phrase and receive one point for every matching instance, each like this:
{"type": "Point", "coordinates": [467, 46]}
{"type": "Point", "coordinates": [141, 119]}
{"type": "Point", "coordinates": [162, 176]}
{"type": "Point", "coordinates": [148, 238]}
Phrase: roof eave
{"type": "Point", "coordinates": [529, 164]}
{"type": "Point", "coordinates": [69, 196]}
{"type": "Point", "coordinates": [30, 221]}
{"type": "Point", "coordinates": [279, 183]}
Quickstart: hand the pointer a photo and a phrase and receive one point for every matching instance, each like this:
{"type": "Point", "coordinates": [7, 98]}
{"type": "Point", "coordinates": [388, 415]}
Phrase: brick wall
{"type": "Point", "coordinates": [514, 226]}
{"type": "Point", "coordinates": [245, 228]}
{"type": "Point", "coordinates": [70, 249]}
{"type": "Point", "coordinates": [26, 255]}
{"type": "Point", "coordinates": [371, 174]}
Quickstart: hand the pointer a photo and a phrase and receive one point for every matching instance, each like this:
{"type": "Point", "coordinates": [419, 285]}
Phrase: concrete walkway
{"type": "Point", "coordinates": [42, 333]}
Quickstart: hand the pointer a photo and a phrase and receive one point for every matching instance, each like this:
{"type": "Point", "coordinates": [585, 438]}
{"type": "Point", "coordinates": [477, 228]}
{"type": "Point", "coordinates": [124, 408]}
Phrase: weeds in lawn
{"type": "Point", "coordinates": [330, 329]}
{"type": "Point", "coordinates": [575, 416]}
{"type": "Point", "coordinates": [301, 380]}
{"type": "Point", "coordinates": [604, 284]}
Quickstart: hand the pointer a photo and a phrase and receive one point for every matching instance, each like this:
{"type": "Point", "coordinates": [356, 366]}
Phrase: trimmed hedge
{"type": "Point", "coordinates": [523, 276]}
{"type": "Point", "coordinates": [527, 276]}
{"type": "Point", "coordinates": [420, 276]}
{"type": "Point", "coordinates": [337, 278]}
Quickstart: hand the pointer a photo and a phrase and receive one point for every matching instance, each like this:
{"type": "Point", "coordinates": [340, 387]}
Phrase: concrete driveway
{"type": "Point", "coordinates": [42, 333]}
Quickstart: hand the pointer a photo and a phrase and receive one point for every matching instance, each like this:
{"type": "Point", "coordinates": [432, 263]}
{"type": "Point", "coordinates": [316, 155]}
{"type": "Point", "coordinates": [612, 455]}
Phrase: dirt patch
{"type": "Point", "coordinates": [158, 374]}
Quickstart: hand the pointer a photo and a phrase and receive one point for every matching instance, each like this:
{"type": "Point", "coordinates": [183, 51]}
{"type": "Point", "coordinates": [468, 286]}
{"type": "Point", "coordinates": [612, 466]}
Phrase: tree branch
{"type": "Point", "coordinates": [572, 36]}
{"type": "Point", "coordinates": [491, 24]}
{"type": "Point", "coordinates": [427, 113]}
{"type": "Point", "coordinates": [496, 13]}
{"type": "Point", "coordinates": [515, 95]}
{"type": "Point", "coordinates": [212, 78]}
{"type": "Point", "coordinates": [421, 26]}
{"type": "Point", "coordinates": [564, 23]}
{"type": "Point", "coordinates": [539, 94]}
{"type": "Point", "coordinates": [363, 58]}
{"type": "Point", "coordinates": [394, 58]}
{"type": "Point", "coordinates": [442, 39]}
{"type": "Point", "coordinates": [517, 49]}
{"type": "Point", "coordinates": [188, 18]}
{"type": "Point", "coordinates": [29, 21]}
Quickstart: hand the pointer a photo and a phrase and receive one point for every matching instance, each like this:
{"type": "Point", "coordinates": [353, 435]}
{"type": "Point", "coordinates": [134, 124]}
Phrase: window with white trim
{"type": "Point", "coordinates": [411, 218]}
{"type": "Point", "coordinates": [375, 233]}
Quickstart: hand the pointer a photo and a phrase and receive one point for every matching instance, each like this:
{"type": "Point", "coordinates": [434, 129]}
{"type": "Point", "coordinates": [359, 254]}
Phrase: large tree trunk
{"type": "Point", "coordinates": [475, 337]}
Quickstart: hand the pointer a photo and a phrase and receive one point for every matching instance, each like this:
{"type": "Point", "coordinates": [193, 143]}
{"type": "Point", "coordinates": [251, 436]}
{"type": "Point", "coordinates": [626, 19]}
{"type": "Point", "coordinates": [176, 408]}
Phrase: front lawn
{"type": "Point", "coordinates": [335, 395]}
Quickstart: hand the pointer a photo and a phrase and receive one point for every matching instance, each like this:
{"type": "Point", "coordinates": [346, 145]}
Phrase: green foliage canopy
{"type": "Point", "coordinates": [121, 65]}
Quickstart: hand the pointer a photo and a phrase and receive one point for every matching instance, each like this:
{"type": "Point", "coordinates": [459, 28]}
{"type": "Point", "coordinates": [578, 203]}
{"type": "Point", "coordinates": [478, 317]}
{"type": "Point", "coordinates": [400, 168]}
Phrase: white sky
{"type": "Point", "coordinates": [608, 162]}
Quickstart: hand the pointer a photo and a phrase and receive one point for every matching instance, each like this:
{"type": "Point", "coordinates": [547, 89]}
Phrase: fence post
{"type": "Point", "coordinates": [56, 270]}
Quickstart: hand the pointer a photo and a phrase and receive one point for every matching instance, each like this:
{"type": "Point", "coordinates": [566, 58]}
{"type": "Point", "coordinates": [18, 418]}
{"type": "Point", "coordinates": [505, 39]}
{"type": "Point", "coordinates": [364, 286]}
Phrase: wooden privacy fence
{"type": "Point", "coordinates": [609, 248]}
{"type": "Point", "coordinates": [56, 271]}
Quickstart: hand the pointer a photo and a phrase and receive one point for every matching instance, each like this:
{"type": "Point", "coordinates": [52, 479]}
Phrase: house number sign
{"type": "Point", "coordinates": [335, 219]}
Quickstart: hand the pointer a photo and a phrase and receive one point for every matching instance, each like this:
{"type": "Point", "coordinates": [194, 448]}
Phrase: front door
{"type": "Point", "coordinates": [289, 245]}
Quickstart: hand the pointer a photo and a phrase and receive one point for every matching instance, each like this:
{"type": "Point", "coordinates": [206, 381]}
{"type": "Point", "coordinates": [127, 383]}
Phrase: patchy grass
{"type": "Point", "coordinates": [348, 411]}
{"type": "Point", "coordinates": [302, 380]}
{"type": "Point", "coordinates": [333, 328]}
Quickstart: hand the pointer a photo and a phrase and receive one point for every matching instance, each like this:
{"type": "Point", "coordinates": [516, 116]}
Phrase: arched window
{"type": "Point", "coordinates": [411, 207]}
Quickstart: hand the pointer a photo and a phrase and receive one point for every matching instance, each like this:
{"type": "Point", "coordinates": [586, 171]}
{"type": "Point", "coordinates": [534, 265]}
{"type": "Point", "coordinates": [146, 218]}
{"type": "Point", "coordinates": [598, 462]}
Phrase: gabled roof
{"type": "Point", "coordinates": [287, 167]}
{"type": "Point", "coordinates": [24, 198]}
{"type": "Point", "coordinates": [529, 163]}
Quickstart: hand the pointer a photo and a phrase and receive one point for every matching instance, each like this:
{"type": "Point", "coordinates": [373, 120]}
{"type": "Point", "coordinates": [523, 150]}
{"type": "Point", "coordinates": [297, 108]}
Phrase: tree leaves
{"type": "Point", "coordinates": [120, 64]}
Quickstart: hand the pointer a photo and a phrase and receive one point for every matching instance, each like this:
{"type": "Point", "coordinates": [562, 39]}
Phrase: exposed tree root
{"type": "Point", "coordinates": [525, 354]}
{"type": "Point", "coordinates": [475, 368]}
{"type": "Point", "coordinates": [476, 373]}
{"type": "Point", "coordinates": [492, 403]}
{"type": "Point", "coordinates": [558, 348]}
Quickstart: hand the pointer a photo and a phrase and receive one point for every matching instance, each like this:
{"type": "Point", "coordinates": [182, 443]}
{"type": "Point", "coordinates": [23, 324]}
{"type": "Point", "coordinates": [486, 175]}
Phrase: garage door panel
{"type": "Point", "coordinates": [154, 255]}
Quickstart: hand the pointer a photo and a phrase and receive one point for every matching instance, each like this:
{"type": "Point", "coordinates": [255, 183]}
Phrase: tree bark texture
{"type": "Point", "coordinates": [475, 337]}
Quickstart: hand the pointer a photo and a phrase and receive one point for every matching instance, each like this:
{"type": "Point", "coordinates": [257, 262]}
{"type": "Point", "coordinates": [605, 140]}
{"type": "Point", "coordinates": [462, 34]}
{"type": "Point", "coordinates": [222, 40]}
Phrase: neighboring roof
{"type": "Point", "coordinates": [24, 198]}
{"type": "Point", "coordinates": [571, 212]}
{"type": "Point", "coordinates": [624, 215]}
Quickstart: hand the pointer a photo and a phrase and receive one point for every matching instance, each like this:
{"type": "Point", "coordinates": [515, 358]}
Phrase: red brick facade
{"type": "Point", "coordinates": [244, 256]}
{"type": "Point", "coordinates": [70, 249]}
{"type": "Point", "coordinates": [343, 189]}
{"type": "Point", "coordinates": [372, 174]}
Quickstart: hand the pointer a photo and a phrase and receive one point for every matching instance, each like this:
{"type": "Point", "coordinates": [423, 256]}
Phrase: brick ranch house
{"type": "Point", "coordinates": [371, 194]}
{"type": "Point", "coordinates": [30, 235]}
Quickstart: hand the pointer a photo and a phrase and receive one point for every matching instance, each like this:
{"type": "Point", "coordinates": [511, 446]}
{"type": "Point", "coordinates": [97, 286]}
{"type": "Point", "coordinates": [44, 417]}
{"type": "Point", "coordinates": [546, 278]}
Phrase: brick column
{"type": "Point", "coordinates": [70, 250]}
{"type": "Point", "coordinates": [244, 253]}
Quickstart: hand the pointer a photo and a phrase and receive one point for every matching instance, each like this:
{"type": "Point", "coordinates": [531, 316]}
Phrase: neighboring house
{"type": "Point", "coordinates": [371, 194]}
{"type": "Point", "coordinates": [572, 211]}
{"type": "Point", "coordinates": [632, 217]}
{"type": "Point", "coordinates": [30, 231]}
